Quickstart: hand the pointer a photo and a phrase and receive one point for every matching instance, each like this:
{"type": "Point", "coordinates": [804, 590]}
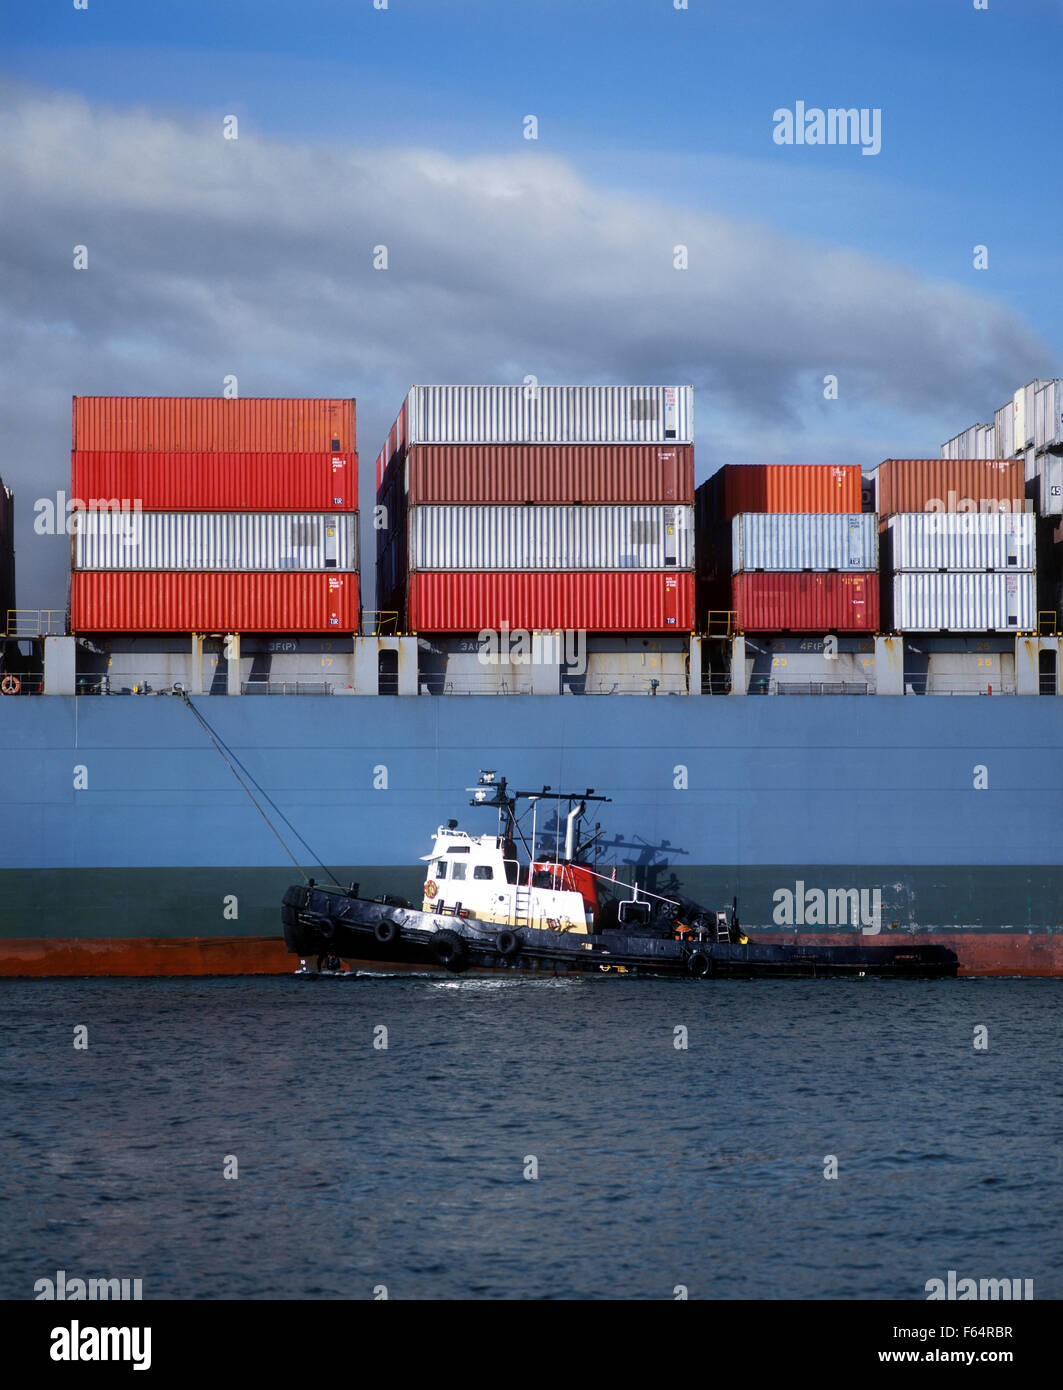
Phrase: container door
{"type": "Point", "coordinates": [671, 601]}
{"type": "Point", "coordinates": [671, 538]}
{"type": "Point", "coordinates": [671, 412]}
{"type": "Point", "coordinates": [335, 600]}
{"type": "Point", "coordinates": [1011, 540]}
{"type": "Point", "coordinates": [1012, 597]}
{"type": "Point", "coordinates": [855, 551]}
{"type": "Point", "coordinates": [331, 542]}
{"type": "Point", "coordinates": [340, 474]}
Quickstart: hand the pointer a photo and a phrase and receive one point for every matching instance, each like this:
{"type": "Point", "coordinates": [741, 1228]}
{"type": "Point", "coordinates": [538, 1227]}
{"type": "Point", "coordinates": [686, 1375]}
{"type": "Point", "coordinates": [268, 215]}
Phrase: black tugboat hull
{"type": "Point", "coordinates": [321, 922]}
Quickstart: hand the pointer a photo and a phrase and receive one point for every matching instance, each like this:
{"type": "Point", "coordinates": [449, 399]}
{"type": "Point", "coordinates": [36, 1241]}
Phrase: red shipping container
{"type": "Point", "coordinates": [170, 482]}
{"type": "Point", "coordinates": [806, 602]}
{"type": "Point", "coordinates": [950, 485]}
{"type": "Point", "coordinates": [595, 602]}
{"type": "Point", "coordinates": [550, 473]}
{"type": "Point", "coordinates": [270, 425]}
{"type": "Point", "coordinates": [785, 487]}
{"type": "Point", "coordinates": [179, 601]}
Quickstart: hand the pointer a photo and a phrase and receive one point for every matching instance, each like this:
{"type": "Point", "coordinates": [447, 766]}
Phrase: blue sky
{"type": "Point", "coordinates": [642, 109]}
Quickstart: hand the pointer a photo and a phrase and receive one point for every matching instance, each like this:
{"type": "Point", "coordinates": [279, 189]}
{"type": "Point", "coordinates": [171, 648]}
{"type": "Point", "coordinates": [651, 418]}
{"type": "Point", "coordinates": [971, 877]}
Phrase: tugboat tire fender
{"type": "Point", "coordinates": [508, 943]}
{"type": "Point", "coordinates": [386, 931]}
{"type": "Point", "coordinates": [699, 964]}
{"type": "Point", "coordinates": [450, 950]}
{"type": "Point", "coordinates": [326, 928]}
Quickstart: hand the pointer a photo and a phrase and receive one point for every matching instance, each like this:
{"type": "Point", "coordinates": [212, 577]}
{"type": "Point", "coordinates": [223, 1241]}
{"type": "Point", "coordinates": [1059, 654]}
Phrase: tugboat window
{"type": "Point", "coordinates": [482, 871]}
{"type": "Point", "coordinates": [441, 869]}
{"type": "Point", "coordinates": [457, 869]}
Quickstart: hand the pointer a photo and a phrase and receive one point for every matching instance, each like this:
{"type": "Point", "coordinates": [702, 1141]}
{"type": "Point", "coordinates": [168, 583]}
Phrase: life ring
{"type": "Point", "coordinates": [386, 931]}
{"type": "Point", "coordinates": [508, 943]}
{"type": "Point", "coordinates": [431, 888]}
{"type": "Point", "coordinates": [450, 950]}
{"type": "Point", "coordinates": [699, 964]}
{"type": "Point", "coordinates": [10, 685]}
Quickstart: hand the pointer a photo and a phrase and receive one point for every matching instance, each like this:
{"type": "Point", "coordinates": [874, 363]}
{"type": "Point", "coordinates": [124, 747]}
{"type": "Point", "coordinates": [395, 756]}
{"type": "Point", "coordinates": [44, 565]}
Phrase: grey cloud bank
{"type": "Point", "coordinates": [209, 257]}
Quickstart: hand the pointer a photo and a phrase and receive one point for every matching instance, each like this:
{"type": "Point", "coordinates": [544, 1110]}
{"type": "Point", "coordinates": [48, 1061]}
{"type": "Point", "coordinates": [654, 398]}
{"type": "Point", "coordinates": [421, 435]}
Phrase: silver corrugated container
{"type": "Point", "coordinates": [1048, 415]}
{"type": "Point", "coordinates": [962, 541]}
{"type": "Point", "coordinates": [1003, 426]}
{"type": "Point", "coordinates": [964, 602]}
{"type": "Point", "coordinates": [550, 415]}
{"type": "Point", "coordinates": [1048, 473]}
{"type": "Point", "coordinates": [977, 442]}
{"type": "Point", "coordinates": [1024, 415]}
{"type": "Point", "coordinates": [215, 541]}
{"type": "Point", "coordinates": [551, 538]}
{"type": "Point", "coordinates": [804, 541]}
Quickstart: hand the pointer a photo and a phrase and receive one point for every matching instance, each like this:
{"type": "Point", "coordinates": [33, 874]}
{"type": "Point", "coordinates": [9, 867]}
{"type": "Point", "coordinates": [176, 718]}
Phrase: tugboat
{"type": "Point", "coordinates": [485, 908]}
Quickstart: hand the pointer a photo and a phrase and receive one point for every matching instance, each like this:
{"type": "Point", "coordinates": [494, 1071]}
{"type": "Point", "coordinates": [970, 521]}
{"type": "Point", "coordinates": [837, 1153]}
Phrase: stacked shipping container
{"type": "Point", "coordinates": [214, 515]}
{"type": "Point", "coordinates": [541, 508]}
{"type": "Point", "coordinates": [787, 548]}
{"type": "Point", "coordinates": [960, 547]}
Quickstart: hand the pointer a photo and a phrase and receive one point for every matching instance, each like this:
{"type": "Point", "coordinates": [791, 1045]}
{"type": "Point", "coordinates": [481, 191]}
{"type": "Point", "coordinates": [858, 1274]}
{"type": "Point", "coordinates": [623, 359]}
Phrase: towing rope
{"type": "Point", "coordinates": [230, 758]}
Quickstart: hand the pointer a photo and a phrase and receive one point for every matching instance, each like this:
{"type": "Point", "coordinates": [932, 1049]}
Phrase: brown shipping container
{"type": "Point", "coordinates": [209, 482]}
{"type": "Point", "coordinates": [950, 485]}
{"type": "Point", "coordinates": [176, 601]}
{"type": "Point", "coordinates": [288, 424]}
{"type": "Point", "coordinates": [549, 473]}
{"type": "Point", "coordinates": [806, 602]}
{"type": "Point", "coordinates": [603, 602]}
{"type": "Point", "coordinates": [785, 487]}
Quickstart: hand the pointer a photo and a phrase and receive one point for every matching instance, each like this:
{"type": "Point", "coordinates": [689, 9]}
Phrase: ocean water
{"type": "Point", "coordinates": [528, 1138]}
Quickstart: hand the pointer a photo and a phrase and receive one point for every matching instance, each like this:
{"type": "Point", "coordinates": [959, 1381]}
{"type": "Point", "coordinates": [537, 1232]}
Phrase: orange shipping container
{"type": "Point", "coordinates": [217, 481]}
{"type": "Point", "coordinates": [785, 487]}
{"type": "Point", "coordinates": [950, 485]}
{"type": "Point", "coordinates": [287, 424]}
{"type": "Point", "coordinates": [182, 601]}
{"type": "Point", "coordinates": [645, 601]}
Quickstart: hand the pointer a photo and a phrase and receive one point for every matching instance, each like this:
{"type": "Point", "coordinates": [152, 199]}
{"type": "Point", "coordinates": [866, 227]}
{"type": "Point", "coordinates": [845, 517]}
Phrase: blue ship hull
{"type": "Point", "coordinates": [123, 825]}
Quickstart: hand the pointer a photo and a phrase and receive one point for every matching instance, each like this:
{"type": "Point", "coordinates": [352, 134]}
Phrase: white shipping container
{"type": "Point", "coordinates": [1003, 430]}
{"type": "Point", "coordinates": [550, 415]}
{"type": "Point", "coordinates": [1024, 415]}
{"type": "Point", "coordinates": [804, 541]}
{"type": "Point", "coordinates": [1048, 475]}
{"type": "Point", "coordinates": [1048, 415]}
{"type": "Point", "coordinates": [977, 442]}
{"type": "Point", "coordinates": [215, 541]}
{"type": "Point", "coordinates": [551, 538]}
{"type": "Point", "coordinates": [962, 541]}
{"type": "Point", "coordinates": [964, 602]}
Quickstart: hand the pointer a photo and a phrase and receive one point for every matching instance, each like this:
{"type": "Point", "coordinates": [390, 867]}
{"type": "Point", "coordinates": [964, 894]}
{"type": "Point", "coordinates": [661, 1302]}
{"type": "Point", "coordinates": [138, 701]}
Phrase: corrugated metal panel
{"type": "Point", "coordinates": [804, 541]}
{"type": "Point", "coordinates": [786, 487]}
{"type": "Point", "coordinates": [1003, 430]}
{"type": "Point", "coordinates": [550, 473]}
{"type": "Point", "coordinates": [1049, 484]}
{"type": "Point", "coordinates": [215, 541]}
{"type": "Point", "coordinates": [218, 481]}
{"type": "Point", "coordinates": [1024, 416]}
{"type": "Point", "coordinates": [805, 602]}
{"type": "Point", "coordinates": [168, 601]}
{"type": "Point", "coordinates": [950, 485]}
{"type": "Point", "coordinates": [551, 538]}
{"type": "Point", "coordinates": [1048, 415]}
{"type": "Point", "coordinates": [640, 602]}
{"type": "Point", "coordinates": [971, 541]}
{"type": "Point", "coordinates": [964, 602]}
{"type": "Point", "coordinates": [977, 442]}
{"type": "Point", "coordinates": [290, 424]}
{"type": "Point", "coordinates": [547, 415]}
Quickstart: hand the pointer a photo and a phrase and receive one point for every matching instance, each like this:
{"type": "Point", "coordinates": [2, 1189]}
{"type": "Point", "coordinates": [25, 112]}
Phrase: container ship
{"type": "Point", "coordinates": [830, 687]}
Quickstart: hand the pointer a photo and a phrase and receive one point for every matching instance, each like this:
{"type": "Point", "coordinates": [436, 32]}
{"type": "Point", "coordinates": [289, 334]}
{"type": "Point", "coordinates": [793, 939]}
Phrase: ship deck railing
{"type": "Point", "coordinates": [34, 622]}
